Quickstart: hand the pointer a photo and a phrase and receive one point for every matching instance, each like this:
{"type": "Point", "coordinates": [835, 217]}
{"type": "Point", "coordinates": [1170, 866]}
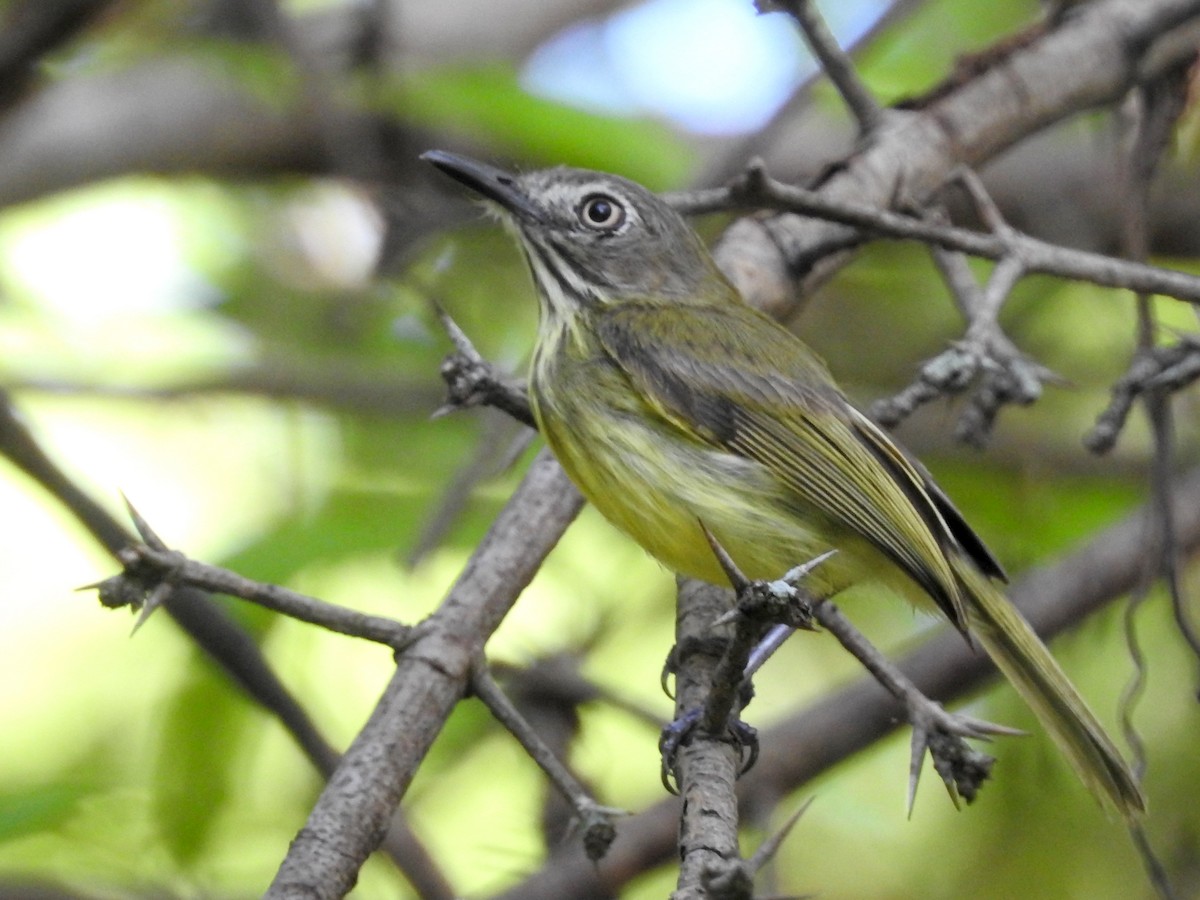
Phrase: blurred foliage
{"type": "Point", "coordinates": [489, 104]}
{"type": "Point", "coordinates": [137, 318]}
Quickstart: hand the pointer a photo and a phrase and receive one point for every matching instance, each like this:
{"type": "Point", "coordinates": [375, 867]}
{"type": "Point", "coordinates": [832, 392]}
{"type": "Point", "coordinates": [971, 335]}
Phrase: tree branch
{"type": "Point", "coordinates": [348, 820]}
{"type": "Point", "coordinates": [834, 61]}
{"type": "Point", "coordinates": [147, 569]}
{"type": "Point", "coordinates": [1091, 60]}
{"type": "Point", "coordinates": [756, 190]}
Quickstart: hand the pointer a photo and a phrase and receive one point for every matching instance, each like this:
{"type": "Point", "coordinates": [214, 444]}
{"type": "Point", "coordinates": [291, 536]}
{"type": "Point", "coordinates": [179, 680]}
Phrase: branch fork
{"type": "Point", "coordinates": [1168, 368]}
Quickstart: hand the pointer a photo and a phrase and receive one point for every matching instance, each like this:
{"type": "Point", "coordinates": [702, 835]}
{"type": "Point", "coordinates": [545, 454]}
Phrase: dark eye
{"type": "Point", "coordinates": [601, 212]}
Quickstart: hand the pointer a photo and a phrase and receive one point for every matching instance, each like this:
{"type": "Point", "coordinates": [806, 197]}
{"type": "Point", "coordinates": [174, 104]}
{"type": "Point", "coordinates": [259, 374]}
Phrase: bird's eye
{"type": "Point", "coordinates": [601, 212]}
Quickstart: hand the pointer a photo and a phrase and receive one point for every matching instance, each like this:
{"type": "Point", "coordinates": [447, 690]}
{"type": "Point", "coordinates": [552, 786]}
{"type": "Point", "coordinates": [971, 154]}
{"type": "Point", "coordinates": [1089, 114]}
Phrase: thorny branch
{"type": "Point", "coordinates": [148, 570]}
{"type": "Point", "coordinates": [472, 381]}
{"type": "Point", "coordinates": [345, 825]}
{"type": "Point", "coordinates": [994, 257]}
{"type": "Point", "coordinates": [985, 359]}
{"type": "Point", "coordinates": [756, 190]}
{"type": "Point", "coordinates": [774, 608]}
{"type": "Point", "coordinates": [942, 733]}
{"type": "Point", "coordinates": [760, 606]}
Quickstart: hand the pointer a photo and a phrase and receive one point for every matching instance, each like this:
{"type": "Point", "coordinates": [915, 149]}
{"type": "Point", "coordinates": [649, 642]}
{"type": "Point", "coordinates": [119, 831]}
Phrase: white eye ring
{"type": "Point", "coordinates": [601, 212]}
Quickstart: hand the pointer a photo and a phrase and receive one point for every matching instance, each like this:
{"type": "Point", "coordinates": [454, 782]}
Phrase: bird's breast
{"type": "Point", "coordinates": [658, 483]}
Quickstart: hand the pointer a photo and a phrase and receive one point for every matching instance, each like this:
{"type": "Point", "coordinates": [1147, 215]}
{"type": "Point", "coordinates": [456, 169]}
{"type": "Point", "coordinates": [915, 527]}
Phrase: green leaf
{"type": "Point", "coordinates": [26, 811]}
{"type": "Point", "coordinates": [203, 743]}
{"type": "Point", "coordinates": [489, 104]}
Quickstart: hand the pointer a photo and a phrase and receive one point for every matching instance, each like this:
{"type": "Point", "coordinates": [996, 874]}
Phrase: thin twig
{"type": "Point", "coordinates": [985, 360]}
{"type": "Point", "coordinates": [1167, 369]}
{"type": "Point", "coordinates": [1159, 105]}
{"type": "Point", "coordinates": [498, 446]}
{"type": "Point", "coordinates": [150, 568]}
{"type": "Point", "coordinates": [836, 63]}
{"type": "Point", "coordinates": [1154, 110]}
{"type": "Point", "coordinates": [340, 387]}
{"type": "Point", "coordinates": [760, 142]}
{"type": "Point", "coordinates": [557, 680]}
{"type": "Point", "coordinates": [595, 821]}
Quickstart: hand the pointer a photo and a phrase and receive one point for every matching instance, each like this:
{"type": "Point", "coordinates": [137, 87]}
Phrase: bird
{"type": "Point", "coordinates": [683, 415]}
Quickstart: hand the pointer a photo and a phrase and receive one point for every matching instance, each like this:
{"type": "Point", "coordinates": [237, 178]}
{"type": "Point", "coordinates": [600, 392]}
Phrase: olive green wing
{"type": "Point", "coordinates": [734, 379]}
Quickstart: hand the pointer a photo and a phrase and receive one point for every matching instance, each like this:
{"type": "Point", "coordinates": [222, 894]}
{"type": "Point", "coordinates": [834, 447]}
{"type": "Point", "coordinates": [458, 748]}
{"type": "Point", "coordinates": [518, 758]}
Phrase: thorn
{"type": "Point", "coordinates": [983, 729]}
{"type": "Point", "coordinates": [727, 618]}
{"type": "Point", "coordinates": [737, 580]}
{"type": "Point", "coordinates": [770, 846]}
{"type": "Point", "coordinates": [915, 764]}
{"type": "Point", "coordinates": [982, 200]}
{"type": "Point", "coordinates": [147, 534]}
{"type": "Point", "coordinates": [772, 641]}
{"type": "Point", "coordinates": [803, 569]}
{"type": "Point", "coordinates": [953, 794]}
{"type": "Point", "coordinates": [156, 599]}
{"type": "Point", "coordinates": [457, 336]}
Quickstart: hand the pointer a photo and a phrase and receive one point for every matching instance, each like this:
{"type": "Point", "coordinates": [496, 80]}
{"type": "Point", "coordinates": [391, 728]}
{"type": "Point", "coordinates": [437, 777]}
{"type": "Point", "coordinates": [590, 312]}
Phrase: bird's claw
{"type": "Point", "coordinates": [676, 734]}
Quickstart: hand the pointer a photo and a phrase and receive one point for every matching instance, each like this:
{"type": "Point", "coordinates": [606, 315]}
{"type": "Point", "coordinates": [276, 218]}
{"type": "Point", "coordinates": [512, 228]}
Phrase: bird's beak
{"type": "Point", "coordinates": [488, 181]}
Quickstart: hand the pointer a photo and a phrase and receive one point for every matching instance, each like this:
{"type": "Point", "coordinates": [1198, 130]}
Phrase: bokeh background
{"type": "Point", "coordinates": [217, 295]}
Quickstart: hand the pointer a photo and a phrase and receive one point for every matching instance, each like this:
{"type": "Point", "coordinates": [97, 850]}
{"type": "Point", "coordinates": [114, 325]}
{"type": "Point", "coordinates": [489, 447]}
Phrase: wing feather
{"type": "Point", "coordinates": [747, 386]}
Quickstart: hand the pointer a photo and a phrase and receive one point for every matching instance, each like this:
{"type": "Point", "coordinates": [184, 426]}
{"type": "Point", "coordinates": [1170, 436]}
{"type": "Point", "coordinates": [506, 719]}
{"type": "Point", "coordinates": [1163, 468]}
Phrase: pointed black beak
{"type": "Point", "coordinates": [488, 181]}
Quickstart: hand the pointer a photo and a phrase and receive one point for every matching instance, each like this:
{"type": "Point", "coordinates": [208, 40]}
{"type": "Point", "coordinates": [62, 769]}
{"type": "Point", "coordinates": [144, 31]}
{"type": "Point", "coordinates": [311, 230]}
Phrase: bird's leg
{"type": "Point", "coordinates": [766, 612]}
{"type": "Point", "coordinates": [717, 716]}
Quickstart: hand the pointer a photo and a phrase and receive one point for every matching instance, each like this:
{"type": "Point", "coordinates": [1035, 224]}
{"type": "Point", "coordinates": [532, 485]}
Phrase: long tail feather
{"type": "Point", "coordinates": [1023, 658]}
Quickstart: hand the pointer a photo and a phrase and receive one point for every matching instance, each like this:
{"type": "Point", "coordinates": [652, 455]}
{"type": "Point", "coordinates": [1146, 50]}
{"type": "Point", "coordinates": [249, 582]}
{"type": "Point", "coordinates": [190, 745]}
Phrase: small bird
{"type": "Point", "coordinates": [675, 407]}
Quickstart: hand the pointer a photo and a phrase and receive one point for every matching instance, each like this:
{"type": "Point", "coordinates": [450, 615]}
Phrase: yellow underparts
{"type": "Point", "coordinates": [657, 485]}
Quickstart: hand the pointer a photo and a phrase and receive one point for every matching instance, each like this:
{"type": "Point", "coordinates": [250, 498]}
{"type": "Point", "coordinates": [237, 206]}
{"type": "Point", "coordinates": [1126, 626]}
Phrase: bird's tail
{"type": "Point", "coordinates": [1023, 658]}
